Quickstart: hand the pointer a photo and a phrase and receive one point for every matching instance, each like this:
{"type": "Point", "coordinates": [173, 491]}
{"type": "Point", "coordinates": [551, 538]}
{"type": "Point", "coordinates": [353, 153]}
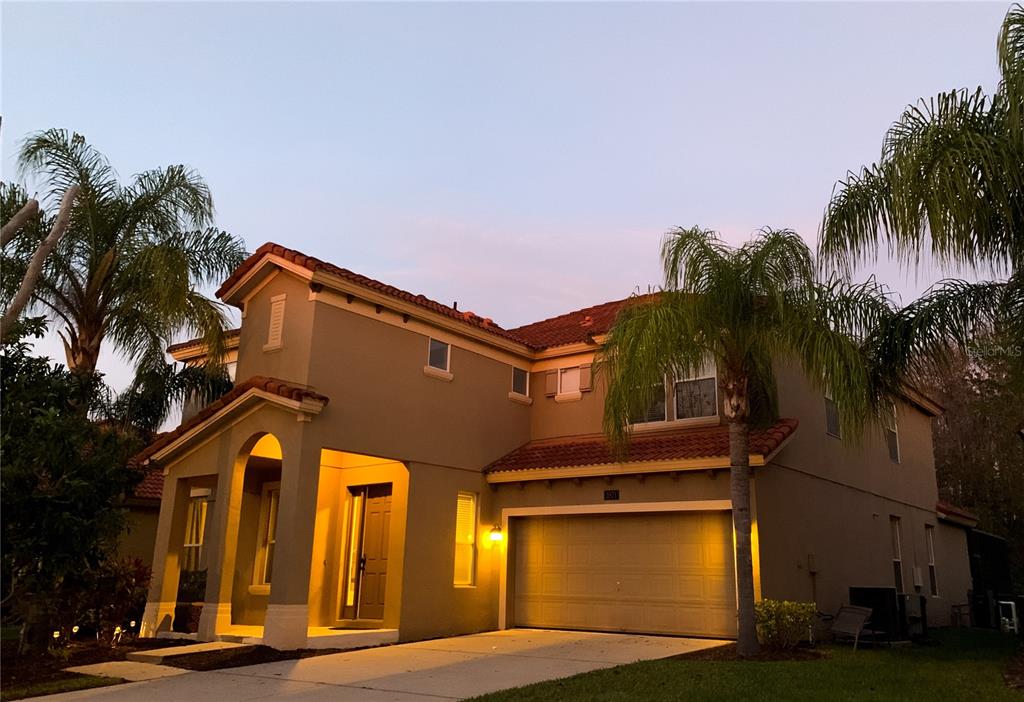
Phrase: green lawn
{"type": "Point", "coordinates": [962, 665]}
{"type": "Point", "coordinates": [51, 687]}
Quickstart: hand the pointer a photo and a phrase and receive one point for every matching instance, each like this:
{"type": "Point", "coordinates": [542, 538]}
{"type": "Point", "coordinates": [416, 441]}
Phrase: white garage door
{"type": "Point", "coordinates": [665, 573]}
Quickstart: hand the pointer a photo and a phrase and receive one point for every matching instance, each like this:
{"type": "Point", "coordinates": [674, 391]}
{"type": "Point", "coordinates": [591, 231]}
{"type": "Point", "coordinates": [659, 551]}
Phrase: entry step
{"type": "Point", "coordinates": [159, 655]}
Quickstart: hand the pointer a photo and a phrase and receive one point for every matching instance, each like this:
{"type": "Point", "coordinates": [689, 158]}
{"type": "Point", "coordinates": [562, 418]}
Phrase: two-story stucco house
{"type": "Point", "coordinates": [391, 468]}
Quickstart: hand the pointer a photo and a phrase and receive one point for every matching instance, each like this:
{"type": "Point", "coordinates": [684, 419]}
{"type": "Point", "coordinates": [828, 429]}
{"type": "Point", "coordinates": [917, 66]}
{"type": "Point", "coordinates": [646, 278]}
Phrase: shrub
{"type": "Point", "coordinates": [782, 624]}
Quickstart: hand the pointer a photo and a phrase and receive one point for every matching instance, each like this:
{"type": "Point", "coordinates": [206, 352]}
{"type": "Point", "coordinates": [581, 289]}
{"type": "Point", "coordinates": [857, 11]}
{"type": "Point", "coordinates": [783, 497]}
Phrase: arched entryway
{"type": "Point", "coordinates": [256, 542]}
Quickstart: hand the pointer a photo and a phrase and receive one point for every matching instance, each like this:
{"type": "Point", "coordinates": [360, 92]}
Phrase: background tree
{"type": "Point", "coordinates": [133, 255]}
{"type": "Point", "coordinates": [979, 451]}
{"type": "Point", "coordinates": [949, 183]}
{"type": "Point", "coordinates": [746, 309]}
{"type": "Point", "coordinates": [29, 214]}
{"type": "Point", "coordinates": [63, 477]}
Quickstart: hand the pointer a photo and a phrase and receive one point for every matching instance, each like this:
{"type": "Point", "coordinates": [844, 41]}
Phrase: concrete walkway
{"type": "Point", "coordinates": [454, 668]}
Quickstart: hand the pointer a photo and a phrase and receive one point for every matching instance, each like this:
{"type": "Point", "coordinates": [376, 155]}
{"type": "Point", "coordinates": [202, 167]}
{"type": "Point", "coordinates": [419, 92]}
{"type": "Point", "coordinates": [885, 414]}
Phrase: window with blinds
{"type": "Point", "coordinates": [897, 553]}
{"type": "Point", "coordinates": [195, 527]}
{"type": "Point", "coordinates": [892, 438]}
{"type": "Point", "coordinates": [268, 533]}
{"type": "Point", "coordinates": [933, 579]}
{"type": "Point", "coordinates": [656, 411]}
{"type": "Point", "coordinates": [832, 427]}
{"type": "Point", "coordinates": [465, 539]}
{"type": "Point", "coordinates": [275, 329]}
{"type": "Point", "coordinates": [696, 397]}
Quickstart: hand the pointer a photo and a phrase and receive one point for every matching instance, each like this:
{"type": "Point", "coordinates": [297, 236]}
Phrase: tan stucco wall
{"type": "Point", "coordinates": [138, 539]}
{"type": "Point", "coordinates": [845, 532]}
{"type": "Point", "coordinates": [432, 605]}
{"type": "Point", "coordinates": [864, 464]}
{"type": "Point", "coordinates": [291, 361]}
{"type": "Point", "coordinates": [382, 403]}
{"type": "Point", "coordinates": [953, 567]}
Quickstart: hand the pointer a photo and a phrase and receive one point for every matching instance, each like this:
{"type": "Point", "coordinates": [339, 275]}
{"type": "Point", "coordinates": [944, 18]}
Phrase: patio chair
{"type": "Point", "coordinates": [851, 622]}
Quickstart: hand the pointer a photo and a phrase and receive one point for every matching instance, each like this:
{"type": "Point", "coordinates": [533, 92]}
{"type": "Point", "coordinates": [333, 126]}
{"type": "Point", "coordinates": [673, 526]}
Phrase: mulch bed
{"type": "Point", "coordinates": [1014, 675]}
{"type": "Point", "coordinates": [237, 657]}
{"type": "Point", "coordinates": [24, 671]}
{"type": "Point", "coordinates": [728, 653]}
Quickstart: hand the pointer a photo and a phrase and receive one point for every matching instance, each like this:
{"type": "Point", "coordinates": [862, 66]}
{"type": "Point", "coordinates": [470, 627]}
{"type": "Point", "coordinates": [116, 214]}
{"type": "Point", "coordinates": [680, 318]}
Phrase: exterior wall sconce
{"type": "Point", "coordinates": [496, 534]}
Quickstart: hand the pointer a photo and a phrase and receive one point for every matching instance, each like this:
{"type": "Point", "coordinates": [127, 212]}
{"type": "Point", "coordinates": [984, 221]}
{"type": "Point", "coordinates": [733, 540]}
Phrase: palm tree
{"type": "Point", "coordinates": [746, 309]}
{"type": "Point", "coordinates": [128, 266]}
{"type": "Point", "coordinates": [950, 179]}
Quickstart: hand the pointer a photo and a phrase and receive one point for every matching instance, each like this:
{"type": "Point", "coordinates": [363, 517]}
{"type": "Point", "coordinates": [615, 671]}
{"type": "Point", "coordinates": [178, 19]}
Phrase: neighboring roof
{"type": "Point", "coordinates": [258, 382]}
{"type": "Point", "coordinates": [315, 265]}
{"type": "Point", "coordinates": [680, 444]}
{"type": "Point", "coordinates": [152, 485]}
{"type": "Point", "coordinates": [579, 326]}
{"type": "Point", "coordinates": [956, 514]}
{"type": "Point", "coordinates": [230, 335]}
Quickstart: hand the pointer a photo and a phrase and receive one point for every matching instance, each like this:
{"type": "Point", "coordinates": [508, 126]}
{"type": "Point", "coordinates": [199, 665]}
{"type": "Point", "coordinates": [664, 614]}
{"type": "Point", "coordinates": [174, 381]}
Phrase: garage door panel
{"type": "Point", "coordinates": [657, 573]}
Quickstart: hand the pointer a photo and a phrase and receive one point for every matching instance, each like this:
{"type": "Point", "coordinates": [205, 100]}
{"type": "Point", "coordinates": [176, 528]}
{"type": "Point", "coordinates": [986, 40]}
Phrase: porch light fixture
{"type": "Point", "coordinates": [496, 534]}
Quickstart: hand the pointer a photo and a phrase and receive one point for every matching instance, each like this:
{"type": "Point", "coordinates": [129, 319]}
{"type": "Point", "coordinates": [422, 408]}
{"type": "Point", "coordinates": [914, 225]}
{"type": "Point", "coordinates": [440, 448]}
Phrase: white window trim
{"type": "Point", "coordinates": [658, 423]}
{"type": "Point", "coordinates": [259, 586]}
{"type": "Point", "coordinates": [521, 398]}
{"type": "Point", "coordinates": [710, 371]}
{"type": "Point", "coordinates": [195, 503]}
{"type": "Point", "coordinates": [271, 344]}
{"type": "Point", "coordinates": [896, 433]}
{"type": "Point", "coordinates": [435, 372]}
{"type": "Point", "coordinates": [929, 538]}
{"type": "Point", "coordinates": [896, 540]}
{"type": "Point", "coordinates": [571, 395]}
{"type": "Point", "coordinates": [839, 429]}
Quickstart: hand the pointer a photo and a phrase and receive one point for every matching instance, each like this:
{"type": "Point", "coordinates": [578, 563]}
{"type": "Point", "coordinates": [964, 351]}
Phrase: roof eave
{"type": "Point", "coordinates": [305, 409]}
{"type": "Point", "coordinates": [679, 465]}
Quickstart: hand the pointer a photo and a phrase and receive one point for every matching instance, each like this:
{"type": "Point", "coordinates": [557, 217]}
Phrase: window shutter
{"type": "Point", "coordinates": [276, 327]}
{"type": "Point", "coordinates": [551, 383]}
{"type": "Point", "coordinates": [585, 378]}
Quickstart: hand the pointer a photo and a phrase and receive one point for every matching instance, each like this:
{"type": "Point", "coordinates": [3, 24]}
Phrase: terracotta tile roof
{"type": "Point", "coordinates": [181, 346]}
{"type": "Point", "coordinates": [152, 485]}
{"type": "Point", "coordinates": [954, 511]}
{"type": "Point", "coordinates": [259, 382]}
{"type": "Point", "coordinates": [680, 444]}
{"type": "Point", "coordinates": [573, 327]}
{"type": "Point", "coordinates": [315, 265]}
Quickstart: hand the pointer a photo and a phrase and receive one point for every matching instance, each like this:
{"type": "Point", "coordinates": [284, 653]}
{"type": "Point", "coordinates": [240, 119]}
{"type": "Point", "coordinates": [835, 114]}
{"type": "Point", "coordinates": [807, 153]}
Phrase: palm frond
{"type": "Point", "coordinates": [64, 159]}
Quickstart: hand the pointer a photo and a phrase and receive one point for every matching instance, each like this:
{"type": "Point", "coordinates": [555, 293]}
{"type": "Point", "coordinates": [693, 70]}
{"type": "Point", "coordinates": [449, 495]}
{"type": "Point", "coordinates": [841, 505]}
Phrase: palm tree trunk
{"type": "Point", "coordinates": [82, 348]}
{"type": "Point", "coordinates": [739, 489]}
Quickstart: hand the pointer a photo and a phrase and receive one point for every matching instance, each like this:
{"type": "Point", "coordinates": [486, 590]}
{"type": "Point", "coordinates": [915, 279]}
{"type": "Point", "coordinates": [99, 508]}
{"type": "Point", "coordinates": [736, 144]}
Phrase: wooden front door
{"type": "Point", "coordinates": [368, 563]}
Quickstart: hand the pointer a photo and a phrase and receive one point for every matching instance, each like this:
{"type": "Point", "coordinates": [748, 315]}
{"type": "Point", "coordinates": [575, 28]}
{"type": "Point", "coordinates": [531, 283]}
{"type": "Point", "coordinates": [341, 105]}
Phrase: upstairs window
{"type": "Point", "coordinates": [465, 539]}
{"type": "Point", "coordinates": [520, 381]}
{"type": "Point", "coordinates": [275, 328]}
{"type": "Point", "coordinates": [657, 410]}
{"type": "Point", "coordinates": [897, 553]}
{"type": "Point", "coordinates": [439, 355]}
{"type": "Point", "coordinates": [697, 395]}
{"type": "Point", "coordinates": [568, 384]}
{"type": "Point", "coordinates": [831, 417]}
{"type": "Point", "coordinates": [892, 438]}
{"type": "Point", "coordinates": [568, 380]}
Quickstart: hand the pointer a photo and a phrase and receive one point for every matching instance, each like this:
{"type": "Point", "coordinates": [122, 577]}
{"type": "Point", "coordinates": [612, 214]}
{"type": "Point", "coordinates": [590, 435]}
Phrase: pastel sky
{"type": "Point", "coordinates": [522, 159]}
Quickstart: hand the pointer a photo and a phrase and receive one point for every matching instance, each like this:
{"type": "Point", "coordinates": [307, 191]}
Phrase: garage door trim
{"type": "Point", "coordinates": [592, 509]}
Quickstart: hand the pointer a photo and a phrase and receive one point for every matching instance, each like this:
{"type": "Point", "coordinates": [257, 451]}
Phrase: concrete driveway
{"type": "Point", "coordinates": [454, 668]}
